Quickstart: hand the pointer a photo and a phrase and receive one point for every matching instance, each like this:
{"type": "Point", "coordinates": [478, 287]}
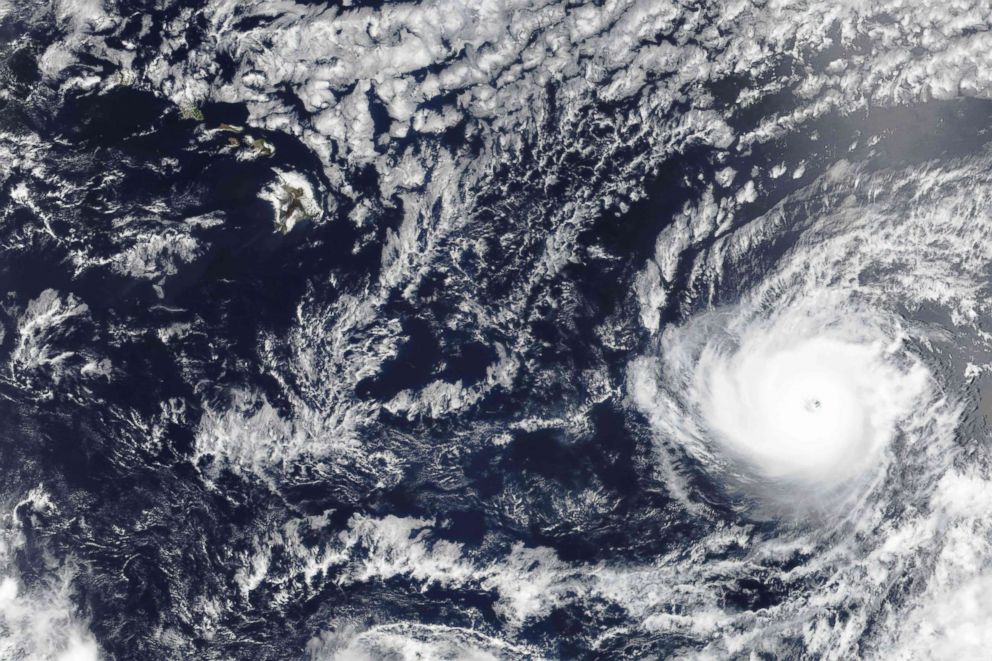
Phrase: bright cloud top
{"type": "Point", "coordinates": [803, 398]}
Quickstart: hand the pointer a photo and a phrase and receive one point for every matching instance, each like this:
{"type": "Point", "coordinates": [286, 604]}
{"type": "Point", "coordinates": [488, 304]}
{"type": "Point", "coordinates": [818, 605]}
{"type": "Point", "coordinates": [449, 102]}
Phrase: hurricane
{"type": "Point", "coordinates": [503, 329]}
{"type": "Point", "coordinates": [801, 397]}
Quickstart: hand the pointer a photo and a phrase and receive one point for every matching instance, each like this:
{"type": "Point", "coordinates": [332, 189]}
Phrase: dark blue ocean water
{"type": "Point", "coordinates": [156, 539]}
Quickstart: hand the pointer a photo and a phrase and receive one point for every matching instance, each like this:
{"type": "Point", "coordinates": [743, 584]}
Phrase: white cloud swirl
{"type": "Point", "coordinates": [804, 395]}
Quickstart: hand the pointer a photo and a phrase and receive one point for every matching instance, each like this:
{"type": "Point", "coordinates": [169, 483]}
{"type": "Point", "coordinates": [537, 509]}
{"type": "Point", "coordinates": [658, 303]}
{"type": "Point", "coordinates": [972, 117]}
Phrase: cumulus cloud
{"type": "Point", "coordinates": [39, 620]}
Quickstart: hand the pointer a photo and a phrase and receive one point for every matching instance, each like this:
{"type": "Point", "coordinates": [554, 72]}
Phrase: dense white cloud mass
{"type": "Point", "coordinates": [39, 622]}
{"type": "Point", "coordinates": [805, 396]}
{"type": "Point", "coordinates": [410, 642]}
{"type": "Point", "coordinates": [867, 316]}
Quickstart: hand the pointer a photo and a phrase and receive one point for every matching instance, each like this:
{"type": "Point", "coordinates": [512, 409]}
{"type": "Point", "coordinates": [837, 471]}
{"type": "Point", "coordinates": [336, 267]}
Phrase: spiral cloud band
{"type": "Point", "coordinates": [797, 398]}
{"type": "Point", "coordinates": [837, 374]}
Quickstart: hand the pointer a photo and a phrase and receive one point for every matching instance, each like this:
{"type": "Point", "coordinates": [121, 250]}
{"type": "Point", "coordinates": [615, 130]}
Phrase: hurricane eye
{"type": "Point", "coordinates": [798, 395]}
